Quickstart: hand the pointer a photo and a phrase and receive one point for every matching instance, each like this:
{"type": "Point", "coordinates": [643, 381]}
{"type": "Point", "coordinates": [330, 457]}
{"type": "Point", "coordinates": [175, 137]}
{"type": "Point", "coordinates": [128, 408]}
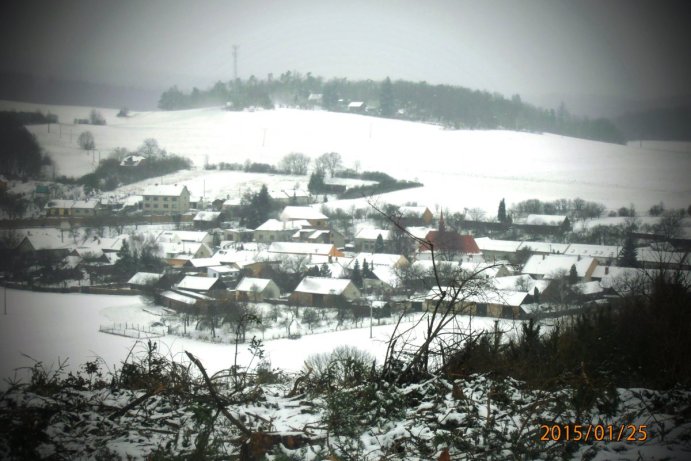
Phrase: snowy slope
{"type": "Point", "coordinates": [470, 168]}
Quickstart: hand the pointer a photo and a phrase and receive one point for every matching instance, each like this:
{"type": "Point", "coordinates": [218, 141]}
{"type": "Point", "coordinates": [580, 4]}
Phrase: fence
{"type": "Point", "coordinates": [131, 330]}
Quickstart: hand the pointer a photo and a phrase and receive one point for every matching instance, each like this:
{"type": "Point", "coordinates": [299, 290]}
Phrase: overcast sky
{"type": "Point", "coordinates": [614, 48]}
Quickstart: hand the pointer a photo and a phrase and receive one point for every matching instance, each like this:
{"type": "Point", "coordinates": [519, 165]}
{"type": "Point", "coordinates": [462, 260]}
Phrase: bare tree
{"type": "Point", "coordinates": [86, 141]}
{"type": "Point", "coordinates": [330, 162]}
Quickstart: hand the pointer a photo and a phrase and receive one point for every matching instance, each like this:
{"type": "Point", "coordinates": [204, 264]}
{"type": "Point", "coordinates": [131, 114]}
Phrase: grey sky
{"type": "Point", "coordinates": [615, 48]}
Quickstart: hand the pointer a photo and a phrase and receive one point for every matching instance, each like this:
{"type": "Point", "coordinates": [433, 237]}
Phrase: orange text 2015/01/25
{"type": "Point", "coordinates": [593, 432]}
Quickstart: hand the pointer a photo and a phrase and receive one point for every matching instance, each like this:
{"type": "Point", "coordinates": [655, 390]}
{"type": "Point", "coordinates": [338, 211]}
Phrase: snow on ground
{"type": "Point", "coordinates": [466, 168]}
{"type": "Point", "coordinates": [52, 326]}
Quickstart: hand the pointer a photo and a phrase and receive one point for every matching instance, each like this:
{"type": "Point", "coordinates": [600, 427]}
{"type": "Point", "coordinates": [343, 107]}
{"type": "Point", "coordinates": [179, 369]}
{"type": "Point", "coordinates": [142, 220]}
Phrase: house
{"type": "Point", "coordinates": [603, 253]}
{"type": "Point", "coordinates": [303, 248]}
{"type": "Point", "coordinates": [556, 266]}
{"type": "Point", "coordinates": [324, 292]}
{"type": "Point", "coordinates": [145, 280]}
{"type": "Point", "coordinates": [231, 206]}
{"type": "Point", "coordinates": [497, 249]}
{"type": "Point", "coordinates": [184, 301]}
{"type": "Point", "coordinates": [256, 289]}
{"type": "Point", "coordinates": [449, 244]}
{"type": "Point", "coordinates": [164, 199]}
{"type": "Point", "coordinates": [72, 208]}
{"type": "Point", "coordinates": [177, 236]}
{"type": "Point", "coordinates": [291, 196]}
{"type": "Point", "coordinates": [40, 245]}
{"type": "Point", "coordinates": [274, 230]}
{"type": "Point", "coordinates": [415, 215]}
{"type": "Point", "coordinates": [366, 239]}
{"type": "Point", "coordinates": [492, 303]}
{"type": "Point", "coordinates": [201, 284]}
{"type": "Point", "coordinates": [207, 219]}
{"type": "Point", "coordinates": [178, 254]}
{"type": "Point", "coordinates": [357, 107]}
{"type": "Point", "coordinates": [320, 236]}
{"type": "Point", "coordinates": [315, 218]}
{"type": "Point", "coordinates": [226, 273]}
{"type": "Point", "coordinates": [315, 99]}
{"type": "Point", "coordinates": [544, 248]}
{"type": "Point", "coordinates": [132, 160]}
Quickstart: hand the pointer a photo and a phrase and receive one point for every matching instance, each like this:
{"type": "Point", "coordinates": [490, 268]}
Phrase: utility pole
{"type": "Point", "coordinates": [235, 63]}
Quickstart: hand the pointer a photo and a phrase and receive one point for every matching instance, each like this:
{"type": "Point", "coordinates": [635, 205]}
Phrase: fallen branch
{"type": "Point", "coordinates": [217, 399]}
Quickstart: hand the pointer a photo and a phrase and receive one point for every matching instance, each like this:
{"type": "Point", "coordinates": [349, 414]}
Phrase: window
{"type": "Point", "coordinates": [165, 205]}
{"type": "Point", "coordinates": [165, 199]}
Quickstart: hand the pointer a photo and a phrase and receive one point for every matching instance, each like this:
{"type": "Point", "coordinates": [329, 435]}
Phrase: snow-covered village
{"type": "Point", "coordinates": [299, 267]}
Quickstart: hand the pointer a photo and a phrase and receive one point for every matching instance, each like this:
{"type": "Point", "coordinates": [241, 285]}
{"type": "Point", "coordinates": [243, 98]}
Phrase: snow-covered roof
{"type": "Point", "coordinates": [545, 247]}
{"type": "Point", "coordinates": [416, 211]}
{"type": "Point", "coordinates": [544, 220]}
{"type": "Point", "coordinates": [488, 244]}
{"type": "Point", "coordinates": [237, 201]}
{"type": "Point", "coordinates": [301, 248]}
{"type": "Point", "coordinates": [322, 285]}
{"type": "Point", "coordinates": [252, 284]}
{"type": "Point", "coordinates": [132, 160]}
{"type": "Point", "coordinates": [377, 259]}
{"type": "Point", "coordinates": [550, 265]}
{"type": "Point", "coordinates": [356, 104]}
{"type": "Point", "coordinates": [144, 278]}
{"type": "Point", "coordinates": [651, 255]}
{"type": "Point", "coordinates": [372, 234]}
{"type": "Point", "coordinates": [170, 190]}
{"type": "Point", "coordinates": [288, 193]}
{"type": "Point", "coordinates": [178, 297]}
{"type": "Point", "coordinates": [501, 297]}
{"type": "Point", "coordinates": [204, 262]}
{"type": "Point", "coordinates": [588, 288]}
{"type": "Point", "coordinates": [206, 216]}
{"type": "Point", "coordinates": [47, 239]}
{"type": "Point", "coordinates": [222, 269]}
{"type": "Point", "coordinates": [386, 275]}
{"type": "Point", "coordinates": [512, 282]}
{"type": "Point", "coordinates": [596, 251]}
{"type": "Point", "coordinates": [291, 213]}
{"type": "Point", "coordinates": [276, 225]}
{"type": "Point", "coordinates": [182, 236]}
{"type": "Point", "coordinates": [180, 250]}
{"type": "Point", "coordinates": [419, 231]}
{"type": "Point", "coordinates": [192, 282]}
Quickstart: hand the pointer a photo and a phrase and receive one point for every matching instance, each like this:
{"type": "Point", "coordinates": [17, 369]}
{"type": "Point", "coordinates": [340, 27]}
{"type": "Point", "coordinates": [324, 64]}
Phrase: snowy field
{"type": "Point", "coordinates": [51, 327]}
{"type": "Point", "coordinates": [460, 169]}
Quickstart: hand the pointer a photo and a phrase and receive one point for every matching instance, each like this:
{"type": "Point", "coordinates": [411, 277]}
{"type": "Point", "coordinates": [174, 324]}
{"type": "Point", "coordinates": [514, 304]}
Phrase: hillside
{"type": "Point", "coordinates": [460, 168]}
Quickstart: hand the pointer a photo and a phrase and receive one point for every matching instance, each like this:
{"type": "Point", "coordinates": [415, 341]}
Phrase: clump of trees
{"type": "Point", "coordinates": [20, 154]}
{"type": "Point", "coordinates": [255, 208]}
{"type": "Point", "coordinates": [574, 209]}
{"type": "Point", "coordinates": [294, 163]}
{"type": "Point", "coordinates": [110, 173]}
{"type": "Point", "coordinates": [452, 106]}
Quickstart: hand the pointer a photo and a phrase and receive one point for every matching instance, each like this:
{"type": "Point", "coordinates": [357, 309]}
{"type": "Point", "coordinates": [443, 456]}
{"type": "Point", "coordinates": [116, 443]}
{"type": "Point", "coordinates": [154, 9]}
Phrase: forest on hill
{"type": "Point", "coordinates": [454, 107]}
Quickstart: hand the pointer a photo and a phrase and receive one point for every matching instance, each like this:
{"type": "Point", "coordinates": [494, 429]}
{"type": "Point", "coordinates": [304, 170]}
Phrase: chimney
{"type": "Point", "coordinates": [543, 257]}
{"type": "Point", "coordinates": [579, 258]}
{"type": "Point", "coordinates": [606, 270]}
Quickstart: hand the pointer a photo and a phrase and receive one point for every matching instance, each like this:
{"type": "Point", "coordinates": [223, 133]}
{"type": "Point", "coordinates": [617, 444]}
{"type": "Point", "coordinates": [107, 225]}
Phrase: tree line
{"type": "Point", "coordinates": [453, 106]}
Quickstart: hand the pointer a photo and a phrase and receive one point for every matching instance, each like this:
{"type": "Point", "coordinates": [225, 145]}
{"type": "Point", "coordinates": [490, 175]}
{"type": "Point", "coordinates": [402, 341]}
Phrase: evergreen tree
{"type": "Point", "coordinates": [356, 275]}
{"type": "Point", "coordinates": [573, 274]}
{"type": "Point", "coordinates": [126, 261]}
{"type": "Point", "coordinates": [629, 254]}
{"type": "Point", "coordinates": [324, 271]}
{"type": "Point", "coordinates": [379, 244]}
{"type": "Point", "coordinates": [536, 295]}
{"type": "Point", "coordinates": [316, 183]}
{"type": "Point", "coordinates": [386, 102]}
{"type": "Point", "coordinates": [501, 214]}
